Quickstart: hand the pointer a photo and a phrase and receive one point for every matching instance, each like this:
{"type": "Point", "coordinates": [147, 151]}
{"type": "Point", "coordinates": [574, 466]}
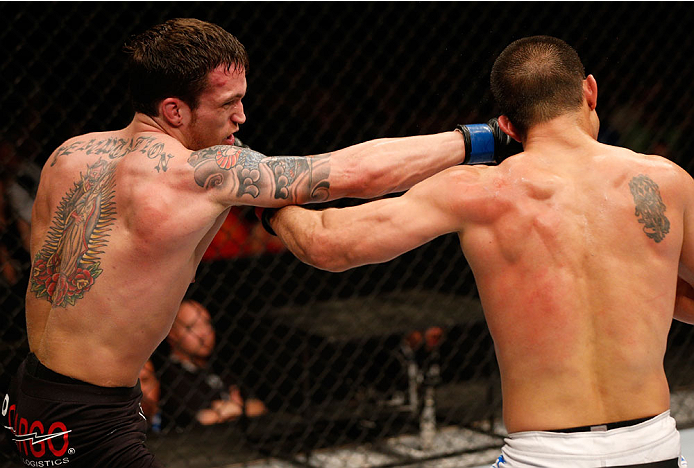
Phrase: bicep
{"type": "Point", "coordinates": [392, 227]}
{"type": "Point", "coordinates": [241, 176]}
{"type": "Point", "coordinates": [381, 230]}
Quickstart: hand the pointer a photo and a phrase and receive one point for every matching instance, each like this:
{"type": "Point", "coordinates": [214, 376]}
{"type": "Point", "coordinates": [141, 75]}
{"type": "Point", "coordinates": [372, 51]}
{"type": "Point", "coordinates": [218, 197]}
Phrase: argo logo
{"type": "Point", "coordinates": [34, 437]}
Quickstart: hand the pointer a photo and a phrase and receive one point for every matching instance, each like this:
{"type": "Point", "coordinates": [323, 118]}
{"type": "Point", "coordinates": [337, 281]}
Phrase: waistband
{"type": "Point", "coordinates": [603, 427]}
{"type": "Point", "coordinates": [672, 463]}
{"type": "Point", "coordinates": [63, 388]}
{"type": "Point", "coordinates": [38, 370]}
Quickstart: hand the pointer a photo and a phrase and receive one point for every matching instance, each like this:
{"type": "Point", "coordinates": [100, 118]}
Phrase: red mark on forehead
{"type": "Point", "coordinates": [220, 76]}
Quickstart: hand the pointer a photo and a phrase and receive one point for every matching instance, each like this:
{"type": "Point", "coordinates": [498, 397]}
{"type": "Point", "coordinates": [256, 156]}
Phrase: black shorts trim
{"type": "Point", "coordinates": [603, 427]}
{"type": "Point", "coordinates": [63, 388]}
{"type": "Point", "coordinates": [672, 463]}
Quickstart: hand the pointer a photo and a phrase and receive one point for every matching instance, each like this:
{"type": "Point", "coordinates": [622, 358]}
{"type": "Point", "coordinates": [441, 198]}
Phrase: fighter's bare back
{"type": "Point", "coordinates": [117, 233]}
{"type": "Point", "coordinates": [576, 307]}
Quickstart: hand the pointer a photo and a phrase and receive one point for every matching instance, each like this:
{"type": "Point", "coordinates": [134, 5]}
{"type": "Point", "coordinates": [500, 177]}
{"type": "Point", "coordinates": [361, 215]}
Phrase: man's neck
{"type": "Point", "coordinates": [563, 133]}
{"type": "Point", "coordinates": [145, 123]}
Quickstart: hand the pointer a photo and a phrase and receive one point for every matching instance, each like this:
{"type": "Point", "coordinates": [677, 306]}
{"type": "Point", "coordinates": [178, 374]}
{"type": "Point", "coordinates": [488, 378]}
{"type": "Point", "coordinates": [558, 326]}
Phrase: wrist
{"type": "Point", "coordinates": [479, 143]}
{"type": "Point", "coordinates": [265, 215]}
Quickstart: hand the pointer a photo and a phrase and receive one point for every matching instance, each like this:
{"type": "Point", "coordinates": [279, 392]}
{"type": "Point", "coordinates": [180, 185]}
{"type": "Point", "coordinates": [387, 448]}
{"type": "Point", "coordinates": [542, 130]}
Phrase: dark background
{"type": "Point", "coordinates": [313, 345]}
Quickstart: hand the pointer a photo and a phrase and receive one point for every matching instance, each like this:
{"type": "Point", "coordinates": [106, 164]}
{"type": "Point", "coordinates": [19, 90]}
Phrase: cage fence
{"type": "Point", "coordinates": [379, 366]}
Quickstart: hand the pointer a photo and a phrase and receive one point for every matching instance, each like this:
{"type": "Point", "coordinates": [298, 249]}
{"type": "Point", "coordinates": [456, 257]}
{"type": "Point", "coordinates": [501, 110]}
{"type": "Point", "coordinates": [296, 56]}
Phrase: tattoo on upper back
{"type": "Point", "coordinates": [245, 171]}
{"type": "Point", "coordinates": [650, 208]}
{"type": "Point", "coordinates": [116, 148]}
{"type": "Point", "coordinates": [67, 265]}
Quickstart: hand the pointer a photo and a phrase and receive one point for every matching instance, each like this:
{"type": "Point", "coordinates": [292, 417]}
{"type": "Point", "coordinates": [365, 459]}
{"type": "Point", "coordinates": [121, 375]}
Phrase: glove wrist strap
{"type": "Point", "coordinates": [265, 219]}
{"type": "Point", "coordinates": [479, 143]}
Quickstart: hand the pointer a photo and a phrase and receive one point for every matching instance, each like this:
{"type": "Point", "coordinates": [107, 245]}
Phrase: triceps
{"type": "Point", "coordinates": [242, 171]}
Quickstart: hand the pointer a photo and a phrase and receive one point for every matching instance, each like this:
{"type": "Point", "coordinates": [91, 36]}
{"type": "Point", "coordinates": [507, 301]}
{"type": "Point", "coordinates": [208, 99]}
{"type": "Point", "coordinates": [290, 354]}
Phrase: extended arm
{"type": "Point", "coordinates": [337, 239]}
{"type": "Point", "coordinates": [240, 176]}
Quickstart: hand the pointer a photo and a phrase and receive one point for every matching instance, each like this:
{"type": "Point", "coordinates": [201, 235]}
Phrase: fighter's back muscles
{"type": "Point", "coordinates": [68, 260]}
{"type": "Point", "coordinates": [107, 268]}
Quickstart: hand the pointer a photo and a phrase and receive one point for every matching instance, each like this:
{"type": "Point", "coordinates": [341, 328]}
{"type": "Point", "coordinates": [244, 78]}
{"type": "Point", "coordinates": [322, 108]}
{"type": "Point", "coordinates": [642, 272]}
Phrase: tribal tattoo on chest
{"type": "Point", "coordinates": [247, 172]}
{"type": "Point", "coordinates": [650, 208]}
{"type": "Point", "coordinates": [68, 263]}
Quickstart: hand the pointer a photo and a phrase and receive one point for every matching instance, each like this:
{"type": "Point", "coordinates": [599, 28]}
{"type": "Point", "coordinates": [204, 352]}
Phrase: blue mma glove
{"type": "Point", "coordinates": [487, 143]}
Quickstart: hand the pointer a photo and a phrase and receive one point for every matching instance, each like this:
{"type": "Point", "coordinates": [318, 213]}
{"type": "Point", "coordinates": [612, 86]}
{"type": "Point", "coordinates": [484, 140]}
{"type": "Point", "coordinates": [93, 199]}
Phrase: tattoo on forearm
{"type": "Point", "coordinates": [650, 208]}
{"type": "Point", "coordinates": [116, 148]}
{"type": "Point", "coordinates": [290, 173]}
{"type": "Point", "coordinates": [245, 171]}
{"type": "Point", "coordinates": [69, 262]}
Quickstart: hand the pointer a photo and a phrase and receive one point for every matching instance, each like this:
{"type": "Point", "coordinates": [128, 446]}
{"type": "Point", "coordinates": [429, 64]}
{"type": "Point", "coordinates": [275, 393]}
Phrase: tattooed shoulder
{"type": "Point", "coordinates": [115, 148]}
{"type": "Point", "coordinates": [222, 165]}
{"type": "Point", "coordinates": [243, 171]}
{"type": "Point", "coordinates": [649, 207]}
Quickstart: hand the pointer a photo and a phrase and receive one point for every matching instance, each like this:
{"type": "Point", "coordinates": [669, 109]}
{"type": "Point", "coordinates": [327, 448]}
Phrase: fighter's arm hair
{"type": "Point", "coordinates": [337, 239]}
{"type": "Point", "coordinates": [240, 176]}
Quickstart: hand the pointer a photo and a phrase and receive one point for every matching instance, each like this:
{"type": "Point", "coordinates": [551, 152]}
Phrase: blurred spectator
{"type": "Point", "coordinates": [190, 390]}
{"type": "Point", "coordinates": [18, 183]}
{"type": "Point", "coordinates": [16, 200]}
{"type": "Point", "coordinates": [151, 390]}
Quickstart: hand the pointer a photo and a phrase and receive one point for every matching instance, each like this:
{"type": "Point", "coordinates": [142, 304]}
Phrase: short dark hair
{"type": "Point", "coordinates": [536, 79]}
{"type": "Point", "coordinates": [173, 59]}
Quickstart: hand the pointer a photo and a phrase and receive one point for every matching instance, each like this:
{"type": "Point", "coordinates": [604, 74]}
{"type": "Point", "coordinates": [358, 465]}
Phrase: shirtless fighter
{"type": "Point", "coordinates": [122, 219]}
{"type": "Point", "coordinates": [582, 254]}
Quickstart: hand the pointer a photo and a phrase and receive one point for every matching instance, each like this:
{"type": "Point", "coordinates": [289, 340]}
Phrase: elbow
{"type": "Point", "coordinates": [370, 179]}
{"type": "Point", "coordinates": [323, 255]}
{"type": "Point", "coordinates": [324, 251]}
{"type": "Point", "coordinates": [313, 242]}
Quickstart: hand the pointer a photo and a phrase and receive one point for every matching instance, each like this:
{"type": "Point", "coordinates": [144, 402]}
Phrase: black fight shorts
{"type": "Point", "coordinates": [55, 421]}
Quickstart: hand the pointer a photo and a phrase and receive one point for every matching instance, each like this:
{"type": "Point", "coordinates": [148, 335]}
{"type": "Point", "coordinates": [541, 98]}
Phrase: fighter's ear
{"type": "Point", "coordinates": [174, 111]}
{"type": "Point", "coordinates": [590, 91]}
{"type": "Point", "coordinates": [508, 128]}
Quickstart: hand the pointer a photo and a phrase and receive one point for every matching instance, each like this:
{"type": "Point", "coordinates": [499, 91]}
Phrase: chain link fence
{"type": "Point", "coordinates": [384, 365]}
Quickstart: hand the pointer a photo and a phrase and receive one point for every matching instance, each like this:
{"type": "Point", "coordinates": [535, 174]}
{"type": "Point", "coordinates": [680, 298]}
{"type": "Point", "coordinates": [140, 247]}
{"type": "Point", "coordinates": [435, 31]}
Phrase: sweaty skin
{"type": "Point", "coordinates": [122, 219]}
{"type": "Point", "coordinates": [576, 248]}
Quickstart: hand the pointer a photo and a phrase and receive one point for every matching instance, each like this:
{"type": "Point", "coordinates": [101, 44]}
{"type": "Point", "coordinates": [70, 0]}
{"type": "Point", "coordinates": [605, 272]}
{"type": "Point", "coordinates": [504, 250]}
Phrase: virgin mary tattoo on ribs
{"type": "Point", "coordinates": [67, 265]}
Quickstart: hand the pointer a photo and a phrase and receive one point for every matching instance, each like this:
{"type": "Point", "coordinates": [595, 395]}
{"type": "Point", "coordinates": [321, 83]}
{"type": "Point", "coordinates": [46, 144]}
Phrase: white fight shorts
{"type": "Point", "coordinates": [652, 441]}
